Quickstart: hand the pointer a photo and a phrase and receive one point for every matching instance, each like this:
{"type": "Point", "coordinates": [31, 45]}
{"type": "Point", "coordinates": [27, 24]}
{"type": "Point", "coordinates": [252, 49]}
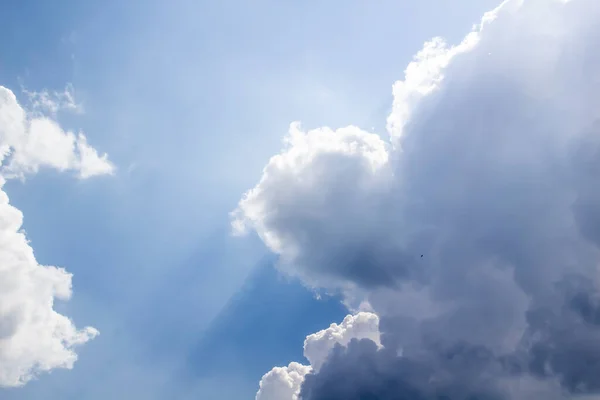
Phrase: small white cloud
{"type": "Point", "coordinates": [284, 383]}
{"type": "Point", "coordinates": [34, 338]}
{"type": "Point", "coordinates": [90, 163]}
{"type": "Point", "coordinates": [35, 141]}
{"type": "Point", "coordinates": [46, 102]}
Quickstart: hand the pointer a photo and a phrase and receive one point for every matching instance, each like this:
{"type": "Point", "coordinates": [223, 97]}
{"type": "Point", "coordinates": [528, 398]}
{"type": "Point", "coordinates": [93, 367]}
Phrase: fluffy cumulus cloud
{"type": "Point", "coordinates": [283, 383]}
{"type": "Point", "coordinates": [35, 338]}
{"type": "Point", "coordinates": [471, 229]}
{"type": "Point", "coordinates": [30, 140]}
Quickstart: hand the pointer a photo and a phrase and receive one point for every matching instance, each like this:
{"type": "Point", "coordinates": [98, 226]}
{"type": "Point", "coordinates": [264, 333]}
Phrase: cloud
{"type": "Point", "coordinates": [46, 102]}
{"type": "Point", "coordinates": [302, 183]}
{"type": "Point", "coordinates": [362, 325]}
{"type": "Point", "coordinates": [490, 171]}
{"type": "Point", "coordinates": [30, 142]}
{"type": "Point", "coordinates": [284, 383]}
{"type": "Point", "coordinates": [34, 338]}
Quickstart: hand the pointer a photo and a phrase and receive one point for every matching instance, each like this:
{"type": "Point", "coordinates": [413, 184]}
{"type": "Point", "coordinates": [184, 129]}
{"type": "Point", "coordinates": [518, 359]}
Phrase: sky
{"type": "Point", "coordinates": [460, 156]}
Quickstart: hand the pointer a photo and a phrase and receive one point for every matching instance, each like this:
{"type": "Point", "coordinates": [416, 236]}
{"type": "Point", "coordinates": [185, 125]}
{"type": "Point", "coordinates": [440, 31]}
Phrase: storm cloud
{"type": "Point", "coordinates": [490, 170]}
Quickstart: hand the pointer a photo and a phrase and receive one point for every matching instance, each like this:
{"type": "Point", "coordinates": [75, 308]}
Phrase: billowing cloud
{"type": "Point", "coordinates": [284, 383]}
{"type": "Point", "coordinates": [472, 229]}
{"type": "Point", "coordinates": [308, 185]}
{"type": "Point", "coordinates": [35, 338]}
{"type": "Point", "coordinates": [363, 325]}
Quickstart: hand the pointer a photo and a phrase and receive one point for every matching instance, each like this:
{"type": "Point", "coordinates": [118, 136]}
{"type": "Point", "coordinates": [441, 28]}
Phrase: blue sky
{"type": "Point", "coordinates": [190, 99]}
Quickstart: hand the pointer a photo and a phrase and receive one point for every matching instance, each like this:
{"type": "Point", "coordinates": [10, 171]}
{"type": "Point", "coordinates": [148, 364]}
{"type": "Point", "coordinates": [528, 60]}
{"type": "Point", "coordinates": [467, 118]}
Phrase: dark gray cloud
{"type": "Point", "coordinates": [491, 172]}
{"type": "Point", "coordinates": [561, 345]}
{"type": "Point", "coordinates": [285, 382]}
{"type": "Point", "coordinates": [564, 342]}
{"type": "Point", "coordinates": [362, 371]}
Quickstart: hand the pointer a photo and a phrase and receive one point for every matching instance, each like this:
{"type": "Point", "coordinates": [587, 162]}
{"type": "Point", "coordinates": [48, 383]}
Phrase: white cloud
{"type": "Point", "coordinates": [46, 102]}
{"type": "Point", "coordinates": [90, 163]}
{"type": "Point", "coordinates": [362, 325]}
{"type": "Point", "coordinates": [35, 338]}
{"type": "Point", "coordinates": [283, 383]}
{"type": "Point", "coordinates": [490, 172]}
{"type": "Point", "coordinates": [35, 141]}
{"type": "Point", "coordinates": [307, 185]}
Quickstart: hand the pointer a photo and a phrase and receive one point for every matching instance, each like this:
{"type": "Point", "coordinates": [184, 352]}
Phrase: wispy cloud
{"type": "Point", "coordinates": [51, 102]}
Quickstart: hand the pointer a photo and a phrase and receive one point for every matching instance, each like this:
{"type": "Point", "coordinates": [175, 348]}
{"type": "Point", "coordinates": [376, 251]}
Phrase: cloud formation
{"type": "Point", "coordinates": [490, 171]}
{"type": "Point", "coordinates": [283, 383]}
{"type": "Point", "coordinates": [29, 142]}
{"type": "Point", "coordinates": [35, 338]}
{"type": "Point", "coordinates": [47, 102]}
